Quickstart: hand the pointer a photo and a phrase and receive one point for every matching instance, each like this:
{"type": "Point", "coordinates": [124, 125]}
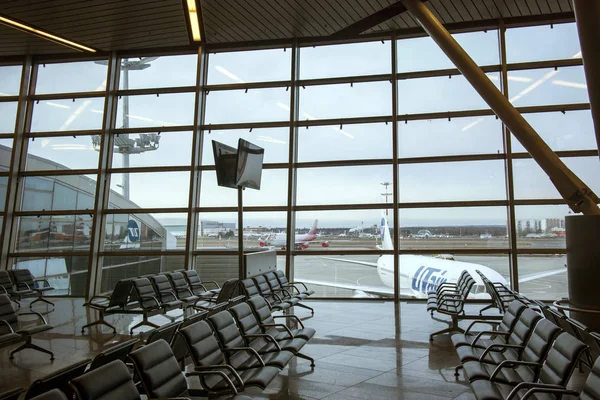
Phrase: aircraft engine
{"type": "Point", "coordinates": [304, 246]}
{"type": "Point", "coordinates": [325, 244]}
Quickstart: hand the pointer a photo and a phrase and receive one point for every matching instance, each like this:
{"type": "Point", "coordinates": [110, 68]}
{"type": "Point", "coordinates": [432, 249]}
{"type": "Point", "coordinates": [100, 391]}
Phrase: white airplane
{"type": "Point", "coordinates": [420, 274]}
{"type": "Point", "coordinates": [301, 241]}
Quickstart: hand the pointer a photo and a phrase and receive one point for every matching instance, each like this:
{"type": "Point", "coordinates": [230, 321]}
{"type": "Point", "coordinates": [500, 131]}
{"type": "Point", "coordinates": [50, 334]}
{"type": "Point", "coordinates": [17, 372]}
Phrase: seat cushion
{"type": "Point", "coordinates": [9, 338]}
{"type": "Point", "coordinates": [486, 390]}
{"type": "Point", "coordinates": [293, 345]}
{"type": "Point", "coordinates": [30, 330]}
{"type": "Point", "coordinates": [277, 359]}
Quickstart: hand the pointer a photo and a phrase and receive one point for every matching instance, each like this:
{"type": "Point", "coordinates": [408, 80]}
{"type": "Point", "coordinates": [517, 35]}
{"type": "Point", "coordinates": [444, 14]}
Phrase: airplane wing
{"type": "Point", "coordinates": [538, 275]}
{"type": "Point", "coordinates": [368, 264]}
{"type": "Point", "coordinates": [371, 289]}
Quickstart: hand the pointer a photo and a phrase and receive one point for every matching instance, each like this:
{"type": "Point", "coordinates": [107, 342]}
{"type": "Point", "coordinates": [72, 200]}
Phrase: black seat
{"type": "Point", "coordinates": [262, 312]}
{"type": "Point", "coordinates": [111, 381]}
{"type": "Point", "coordinates": [159, 372]}
{"type": "Point", "coordinates": [12, 394]}
{"type": "Point", "coordinates": [117, 302]}
{"type": "Point", "coordinates": [446, 288]}
{"type": "Point", "coordinates": [10, 322]}
{"type": "Point", "coordinates": [480, 340]}
{"type": "Point", "coordinates": [165, 332]}
{"type": "Point", "coordinates": [283, 281]}
{"type": "Point", "coordinates": [24, 281]}
{"type": "Point", "coordinates": [535, 350]}
{"type": "Point", "coordinates": [208, 357]}
{"type": "Point", "coordinates": [197, 285]}
{"type": "Point", "coordinates": [53, 394]}
{"type": "Point", "coordinates": [452, 304]}
{"type": "Point", "coordinates": [57, 380]}
{"type": "Point", "coordinates": [7, 286]}
{"type": "Point", "coordinates": [239, 355]}
{"type": "Point", "coordinates": [275, 301]}
{"type": "Point", "coordinates": [285, 294]}
{"type": "Point", "coordinates": [150, 304]}
{"type": "Point", "coordinates": [556, 370]}
{"type": "Point", "coordinates": [264, 342]}
{"type": "Point", "coordinates": [116, 352]}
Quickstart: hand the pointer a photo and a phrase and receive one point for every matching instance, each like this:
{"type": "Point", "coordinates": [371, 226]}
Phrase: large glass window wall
{"type": "Point", "coordinates": [342, 166]}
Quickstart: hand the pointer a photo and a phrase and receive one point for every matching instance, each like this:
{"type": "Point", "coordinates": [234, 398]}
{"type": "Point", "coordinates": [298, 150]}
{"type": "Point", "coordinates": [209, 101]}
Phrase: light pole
{"type": "Point", "coordinates": [386, 194]}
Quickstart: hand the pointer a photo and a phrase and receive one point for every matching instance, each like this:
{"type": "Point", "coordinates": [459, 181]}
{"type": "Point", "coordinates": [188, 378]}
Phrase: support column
{"type": "Point", "coordinates": [395, 174]}
{"type": "Point", "coordinates": [587, 16]}
{"type": "Point", "coordinates": [578, 196]}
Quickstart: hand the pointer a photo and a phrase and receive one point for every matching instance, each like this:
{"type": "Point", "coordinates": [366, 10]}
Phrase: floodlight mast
{"type": "Point", "coordinates": [579, 197]}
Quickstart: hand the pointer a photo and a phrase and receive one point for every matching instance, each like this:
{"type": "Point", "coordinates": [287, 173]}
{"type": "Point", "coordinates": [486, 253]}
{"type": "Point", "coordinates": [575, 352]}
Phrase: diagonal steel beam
{"type": "Point", "coordinates": [579, 197]}
{"type": "Point", "coordinates": [372, 20]}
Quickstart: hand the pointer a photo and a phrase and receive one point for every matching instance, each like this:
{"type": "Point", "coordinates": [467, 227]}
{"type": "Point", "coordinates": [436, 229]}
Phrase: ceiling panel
{"type": "Point", "coordinates": [138, 24]}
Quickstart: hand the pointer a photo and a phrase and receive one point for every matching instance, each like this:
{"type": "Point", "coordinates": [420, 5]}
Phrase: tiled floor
{"type": "Point", "coordinates": [363, 350]}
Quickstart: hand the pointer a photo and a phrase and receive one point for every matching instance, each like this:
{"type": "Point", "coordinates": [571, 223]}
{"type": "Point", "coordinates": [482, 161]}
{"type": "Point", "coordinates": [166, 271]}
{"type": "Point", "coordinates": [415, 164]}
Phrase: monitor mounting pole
{"type": "Point", "coordinates": [578, 196]}
{"type": "Point", "coordinates": [242, 267]}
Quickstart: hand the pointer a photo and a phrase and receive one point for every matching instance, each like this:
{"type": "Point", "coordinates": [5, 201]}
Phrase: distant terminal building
{"type": "Point", "coordinates": [210, 228]}
{"type": "Point", "coordinates": [545, 226]}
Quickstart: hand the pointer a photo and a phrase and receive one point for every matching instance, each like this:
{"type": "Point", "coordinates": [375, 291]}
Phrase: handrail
{"type": "Point", "coordinates": [563, 308]}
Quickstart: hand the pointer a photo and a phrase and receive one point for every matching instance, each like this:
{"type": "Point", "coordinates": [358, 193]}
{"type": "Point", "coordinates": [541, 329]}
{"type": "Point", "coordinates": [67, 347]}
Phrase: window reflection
{"type": "Point", "coordinates": [152, 149]}
{"type": "Point", "coordinates": [155, 110]}
{"type": "Point", "coordinates": [8, 116]}
{"type": "Point", "coordinates": [565, 85]}
{"type": "Point", "coordinates": [67, 115]}
{"type": "Point", "coordinates": [85, 76]}
{"type": "Point", "coordinates": [253, 105]}
{"type": "Point", "coordinates": [64, 192]}
{"type": "Point", "coordinates": [249, 66]}
{"type": "Point", "coordinates": [10, 79]}
{"type": "Point", "coordinates": [67, 275]}
{"type": "Point", "coordinates": [539, 43]}
{"type": "Point", "coordinates": [158, 72]}
{"type": "Point", "coordinates": [54, 233]}
{"type": "Point", "coordinates": [115, 268]}
{"type": "Point", "coordinates": [61, 152]}
{"type": "Point", "coordinates": [131, 232]}
{"type": "Point", "coordinates": [149, 190]}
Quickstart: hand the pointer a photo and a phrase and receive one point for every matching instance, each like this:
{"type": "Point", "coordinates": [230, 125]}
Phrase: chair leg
{"type": "Point", "coordinates": [312, 360]}
{"type": "Point", "coordinates": [29, 345]}
{"type": "Point", "coordinates": [100, 321]}
{"type": "Point", "coordinates": [486, 308]}
{"type": "Point", "coordinates": [312, 311]}
{"type": "Point", "coordinates": [458, 368]}
{"type": "Point", "coordinates": [40, 299]}
{"type": "Point", "coordinates": [452, 327]}
{"type": "Point", "coordinates": [142, 323]}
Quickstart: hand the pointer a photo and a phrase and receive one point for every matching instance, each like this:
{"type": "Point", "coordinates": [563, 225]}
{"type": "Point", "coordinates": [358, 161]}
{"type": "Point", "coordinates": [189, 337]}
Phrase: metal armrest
{"type": "Point", "coordinates": [249, 350]}
{"type": "Point", "coordinates": [213, 282]}
{"type": "Point", "coordinates": [10, 329]}
{"type": "Point", "coordinates": [42, 280]}
{"type": "Point", "coordinates": [513, 364]}
{"type": "Point", "coordinates": [480, 321]}
{"type": "Point", "coordinates": [527, 385]}
{"type": "Point", "coordinates": [143, 298]}
{"type": "Point", "coordinates": [289, 332]}
{"type": "Point", "coordinates": [94, 298]}
{"type": "Point", "coordinates": [225, 366]}
{"type": "Point", "coordinates": [290, 316]}
{"type": "Point", "coordinates": [265, 335]}
{"type": "Point", "coordinates": [40, 316]}
{"type": "Point", "coordinates": [447, 300]}
{"type": "Point", "coordinates": [299, 283]}
{"type": "Point", "coordinates": [480, 334]}
{"type": "Point", "coordinates": [501, 346]}
{"type": "Point", "coordinates": [4, 289]}
{"type": "Point", "coordinates": [549, 389]}
{"type": "Point", "coordinates": [222, 374]}
{"type": "Point", "coordinates": [288, 286]}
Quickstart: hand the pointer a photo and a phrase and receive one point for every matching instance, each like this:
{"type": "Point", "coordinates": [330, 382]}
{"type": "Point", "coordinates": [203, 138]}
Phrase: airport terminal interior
{"type": "Point", "coordinates": [370, 174]}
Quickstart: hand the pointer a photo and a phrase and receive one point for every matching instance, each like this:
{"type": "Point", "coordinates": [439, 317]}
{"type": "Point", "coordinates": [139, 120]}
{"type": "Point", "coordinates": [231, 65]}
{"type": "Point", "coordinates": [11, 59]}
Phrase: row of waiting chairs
{"type": "Point", "coordinates": [20, 283]}
{"type": "Point", "coordinates": [230, 349]}
{"type": "Point", "coordinates": [525, 355]}
{"type": "Point", "coordinates": [280, 293]}
{"type": "Point", "coordinates": [158, 294]}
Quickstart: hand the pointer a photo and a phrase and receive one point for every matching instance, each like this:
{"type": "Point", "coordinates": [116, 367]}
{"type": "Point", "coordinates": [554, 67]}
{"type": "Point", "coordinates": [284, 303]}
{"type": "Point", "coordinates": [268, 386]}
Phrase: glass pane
{"type": "Point", "coordinates": [573, 130]}
{"type": "Point", "coordinates": [145, 231]}
{"type": "Point", "coordinates": [67, 275]}
{"type": "Point", "coordinates": [371, 58]}
{"type": "Point", "coordinates": [453, 228]}
{"type": "Point", "coordinates": [254, 105]}
{"type": "Point", "coordinates": [342, 185]}
{"type": "Point", "coordinates": [5, 154]}
{"type": "Point", "coordinates": [154, 110]}
{"type": "Point", "coordinates": [273, 191]}
{"type": "Point", "coordinates": [440, 137]}
{"type": "Point", "coordinates": [65, 192]}
{"type": "Point", "coordinates": [273, 140]}
{"type": "Point", "coordinates": [54, 233]}
{"type": "Point", "coordinates": [151, 189]}
{"type": "Point", "coordinates": [86, 76]}
{"type": "Point", "coordinates": [157, 72]}
{"type": "Point", "coordinates": [8, 116]}
{"type": "Point", "coordinates": [152, 149]}
{"type": "Point", "coordinates": [217, 267]}
{"type": "Point", "coordinates": [565, 85]}
{"type": "Point", "coordinates": [351, 142]}
{"type": "Point", "coordinates": [338, 230]}
{"type": "Point", "coordinates": [61, 152]}
{"type": "Point", "coordinates": [115, 268]}
{"type": "Point", "coordinates": [344, 101]}
{"type": "Point", "coordinates": [10, 80]}
{"type": "Point", "coordinates": [67, 115]}
{"type": "Point", "coordinates": [531, 182]}
{"type": "Point", "coordinates": [539, 43]}
{"type": "Point", "coordinates": [249, 66]}
{"type": "Point", "coordinates": [438, 94]}
{"type": "Point", "coordinates": [452, 181]}
{"type": "Point", "coordinates": [553, 287]}
{"type": "Point", "coordinates": [481, 46]}
{"type": "Point", "coordinates": [541, 226]}
{"type": "Point", "coordinates": [3, 185]}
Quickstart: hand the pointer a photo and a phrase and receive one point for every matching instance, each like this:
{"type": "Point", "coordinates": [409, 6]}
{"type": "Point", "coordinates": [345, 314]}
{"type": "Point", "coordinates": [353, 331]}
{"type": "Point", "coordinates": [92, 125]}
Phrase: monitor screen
{"type": "Point", "coordinates": [249, 164]}
{"type": "Point", "coordinates": [226, 161]}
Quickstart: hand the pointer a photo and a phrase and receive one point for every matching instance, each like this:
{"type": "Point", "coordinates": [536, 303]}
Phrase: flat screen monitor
{"type": "Point", "coordinates": [249, 164]}
{"type": "Point", "coordinates": [226, 162]}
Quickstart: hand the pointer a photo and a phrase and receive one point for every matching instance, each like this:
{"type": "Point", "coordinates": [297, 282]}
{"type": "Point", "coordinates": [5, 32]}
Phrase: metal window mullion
{"type": "Point", "coordinates": [66, 96]}
{"type": "Point", "coordinates": [103, 178]}
{"type": "Point", "coordinates": [395, 174]}
{"type": "Point", "coordinates": [19, 151]}
{"type": "Point", "coordinates": [293, 158]}
{"type": "Point", "coordinates": [160, 129]}
{"type": "Point", "coordinates": [197, 146]}
{"type": "Point", "coordinates": [508, 168]}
